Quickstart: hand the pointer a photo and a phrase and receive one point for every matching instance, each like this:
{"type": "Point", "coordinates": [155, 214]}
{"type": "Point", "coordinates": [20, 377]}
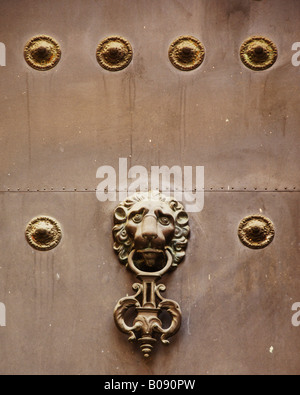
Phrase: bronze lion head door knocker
{"type": "Point", "coordinates": [150, 237]}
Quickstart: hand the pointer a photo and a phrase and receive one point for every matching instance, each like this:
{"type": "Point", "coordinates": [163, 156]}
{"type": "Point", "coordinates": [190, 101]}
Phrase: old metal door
{"type": "Point", "coordinates": [59, 126]}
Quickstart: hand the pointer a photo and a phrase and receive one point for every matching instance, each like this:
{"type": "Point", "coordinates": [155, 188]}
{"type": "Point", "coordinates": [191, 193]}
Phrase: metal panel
{"type": "Point", "coordinates": [221, 113]}
{"type": "Point", "coordinates": [236, 302]}
{"type": "Point", "coordinates": [57, 127]}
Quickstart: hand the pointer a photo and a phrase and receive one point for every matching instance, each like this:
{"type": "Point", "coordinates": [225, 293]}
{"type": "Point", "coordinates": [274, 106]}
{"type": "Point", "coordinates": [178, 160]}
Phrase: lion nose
{"type": "Point", "coordinates": [149, 228]}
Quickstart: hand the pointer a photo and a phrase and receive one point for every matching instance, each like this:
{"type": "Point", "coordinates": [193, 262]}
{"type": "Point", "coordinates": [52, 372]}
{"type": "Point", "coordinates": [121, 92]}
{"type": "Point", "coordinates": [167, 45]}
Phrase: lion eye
{"type": "Point", "coordinates": [137, 218]}
{"type": "Point", "coordinates": [164, 221]}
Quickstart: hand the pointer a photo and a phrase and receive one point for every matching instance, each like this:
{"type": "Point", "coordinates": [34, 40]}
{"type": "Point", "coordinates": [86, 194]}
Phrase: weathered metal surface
{"type": "Point", "coordinates": [214, 116]}
{"type": "Point", "coordinates": [58, 127]}
{"type": "Point", "coordinates": [235, 301]}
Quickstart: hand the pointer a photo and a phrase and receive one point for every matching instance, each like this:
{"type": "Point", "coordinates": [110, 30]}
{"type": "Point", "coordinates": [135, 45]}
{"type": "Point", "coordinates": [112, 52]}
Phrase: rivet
{"type": "Point", "coordinates": [256, 231]}
{"type": "Point", "coordinates": [186, 53]}
{"type": "Point", "coordinates": [42, 53]}
{"type": "Point", "coordinates": [114, 53]}
{"type": "Point", "coordinates": [258, 53]}
{"type": "Point", "coordinates": [43, 233]}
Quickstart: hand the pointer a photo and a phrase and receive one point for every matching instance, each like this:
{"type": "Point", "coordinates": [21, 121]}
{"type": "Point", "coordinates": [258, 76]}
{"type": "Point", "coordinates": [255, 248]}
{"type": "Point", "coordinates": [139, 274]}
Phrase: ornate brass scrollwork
{"type": "Point", "coordinates": [151, 234]}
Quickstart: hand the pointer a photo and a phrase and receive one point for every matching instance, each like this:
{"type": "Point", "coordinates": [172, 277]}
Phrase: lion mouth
{"type": "Point", "coordinates": [151, 256]}
{"type": "Point", "coordinates": [151, 252]}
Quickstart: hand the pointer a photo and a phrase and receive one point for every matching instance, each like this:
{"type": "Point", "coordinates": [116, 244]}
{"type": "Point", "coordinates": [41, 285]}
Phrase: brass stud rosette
{"type": "Point", "coordinates": [114, 53]}
{"type": "Point", "coordinates": [256, 231]}
{"type": "Point", "coordinates": [258, 53]}
{"type": "Point", "coordinates": [186, 53]}
{"type": "Point", "coordinates": [42, 53]}
{"type": "Point", "coordinates": [43, 233]}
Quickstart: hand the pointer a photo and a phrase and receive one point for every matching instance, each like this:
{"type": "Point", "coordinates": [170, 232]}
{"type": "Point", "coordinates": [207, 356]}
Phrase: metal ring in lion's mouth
{"type": "Point", "coordinates": [136, 270]}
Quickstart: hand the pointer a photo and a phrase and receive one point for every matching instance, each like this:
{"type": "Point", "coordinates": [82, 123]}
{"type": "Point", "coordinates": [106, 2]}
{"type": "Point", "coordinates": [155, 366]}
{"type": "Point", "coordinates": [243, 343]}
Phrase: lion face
{"type": "Point", "coordinates": [148, 223]}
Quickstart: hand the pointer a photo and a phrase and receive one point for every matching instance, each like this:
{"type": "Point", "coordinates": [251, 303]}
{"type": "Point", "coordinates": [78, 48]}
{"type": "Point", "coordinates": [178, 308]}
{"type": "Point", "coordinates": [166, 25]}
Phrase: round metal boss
{"type": "Point", "coordinates": [256, 231]}
{"type": "Point", "coordinates": [114, 53]}
{"type": "Point", "coordinates": [43, 233]}
{"type": "Point", "coordinates": [186, 53]}
{"type": "Point", "coordinates": [258, 53]}
{"type": "Point", "coordinates": [42, 53]}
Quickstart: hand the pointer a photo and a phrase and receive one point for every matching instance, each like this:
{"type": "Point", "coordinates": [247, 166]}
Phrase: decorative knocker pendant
{"type": "Point", "coordinates": [151, 234]}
